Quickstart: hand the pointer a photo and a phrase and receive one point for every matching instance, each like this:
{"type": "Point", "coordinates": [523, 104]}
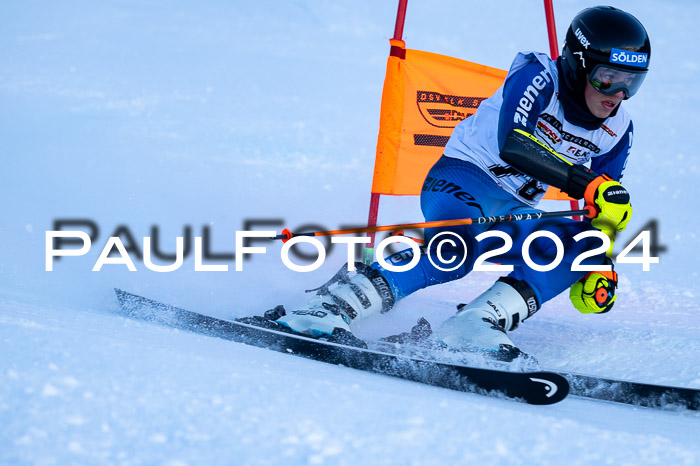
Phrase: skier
{"type": "Point", "coordinates": [491, 166]}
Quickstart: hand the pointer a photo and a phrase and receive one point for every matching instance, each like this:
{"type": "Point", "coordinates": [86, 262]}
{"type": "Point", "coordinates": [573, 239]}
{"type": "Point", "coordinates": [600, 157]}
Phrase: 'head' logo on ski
{"type": "Point", "coordinates": [550, 386]}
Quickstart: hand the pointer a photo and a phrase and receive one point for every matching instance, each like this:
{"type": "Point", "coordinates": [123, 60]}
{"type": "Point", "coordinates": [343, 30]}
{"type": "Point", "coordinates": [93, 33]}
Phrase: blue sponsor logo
{"type": "Point", "coordinates": [625, 57]}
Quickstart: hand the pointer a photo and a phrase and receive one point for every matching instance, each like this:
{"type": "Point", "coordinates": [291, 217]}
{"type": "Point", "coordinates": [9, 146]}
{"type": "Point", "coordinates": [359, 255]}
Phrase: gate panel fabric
{"type": "Point", "coordinates": [425, 96]}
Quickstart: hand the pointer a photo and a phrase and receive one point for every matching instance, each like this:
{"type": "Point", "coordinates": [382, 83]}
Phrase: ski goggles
{"type": "Point", "coordinates": [608, 80]}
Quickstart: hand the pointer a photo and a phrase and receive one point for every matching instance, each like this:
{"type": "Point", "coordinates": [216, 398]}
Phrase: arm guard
{"type": "Point", "coordinates": [527, 154]}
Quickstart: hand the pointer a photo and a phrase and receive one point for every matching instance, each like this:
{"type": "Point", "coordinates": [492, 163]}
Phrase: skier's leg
{"type": "Point", "coordinates": [454, 189]}
{"type": "Point", "coordinates": [483, 322]}
{"type": "Point", "coordinates": [347, 297]}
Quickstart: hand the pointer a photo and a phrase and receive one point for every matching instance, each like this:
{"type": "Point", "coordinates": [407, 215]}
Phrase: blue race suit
{"type": "Point", "coordinates": [471, 180]}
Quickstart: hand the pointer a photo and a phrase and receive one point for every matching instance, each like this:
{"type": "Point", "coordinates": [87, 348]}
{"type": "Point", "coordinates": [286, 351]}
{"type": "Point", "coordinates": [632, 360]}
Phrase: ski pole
{"type": "Point", "coordinates": [286, 234]}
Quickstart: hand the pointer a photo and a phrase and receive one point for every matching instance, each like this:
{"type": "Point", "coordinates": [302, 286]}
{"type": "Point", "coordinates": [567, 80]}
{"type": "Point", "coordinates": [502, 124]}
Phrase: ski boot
{"type": "Point", "coordinates": [480, 326]}
{"type": "Point", "coordinates": [344, 299]}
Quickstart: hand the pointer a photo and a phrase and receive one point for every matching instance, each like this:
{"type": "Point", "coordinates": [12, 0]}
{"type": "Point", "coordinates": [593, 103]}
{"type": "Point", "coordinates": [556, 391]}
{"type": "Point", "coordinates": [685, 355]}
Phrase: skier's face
{"type": "Point", "coordinates": [601, 105]}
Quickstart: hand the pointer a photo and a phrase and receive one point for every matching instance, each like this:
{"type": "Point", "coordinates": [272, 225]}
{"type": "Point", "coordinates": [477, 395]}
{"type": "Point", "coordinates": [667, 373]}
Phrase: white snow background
{"type": "Point", "coordinates": [212, 113]}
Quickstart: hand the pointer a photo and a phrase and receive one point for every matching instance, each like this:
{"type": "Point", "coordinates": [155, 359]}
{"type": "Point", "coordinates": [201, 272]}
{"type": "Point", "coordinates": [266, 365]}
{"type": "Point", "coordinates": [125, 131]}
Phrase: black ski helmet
{"type": "Point", "coordinates": [609, 37]}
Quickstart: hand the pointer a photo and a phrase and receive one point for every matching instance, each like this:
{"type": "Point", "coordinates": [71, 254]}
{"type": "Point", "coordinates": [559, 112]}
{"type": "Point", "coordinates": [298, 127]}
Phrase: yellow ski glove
{"type": "Point", "coordinates": [594, 293]}
{"type": "Point", "coordinates": [611, 202]}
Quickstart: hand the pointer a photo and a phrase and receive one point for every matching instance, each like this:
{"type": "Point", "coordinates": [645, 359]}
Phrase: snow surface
{"type": "Point", "coordinates": [214, 113]}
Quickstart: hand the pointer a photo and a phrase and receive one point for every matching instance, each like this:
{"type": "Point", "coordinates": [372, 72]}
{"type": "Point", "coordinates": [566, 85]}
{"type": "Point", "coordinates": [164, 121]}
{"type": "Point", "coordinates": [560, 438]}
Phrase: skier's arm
{"type": "Point", "coordinates": [525, 152]}
{"type": "Point", "coordinates": [525, 96]}
{"type": "Point", "coordinates": [594, 293]}
{"type": "Point", "coordinates": [609, 198]}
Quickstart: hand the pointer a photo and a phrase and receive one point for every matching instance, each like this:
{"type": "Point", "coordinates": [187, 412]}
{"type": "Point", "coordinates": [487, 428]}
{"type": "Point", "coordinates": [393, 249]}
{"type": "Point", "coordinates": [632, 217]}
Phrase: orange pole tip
{"type": "Point", "coordinates": [592, 211]}
{"type": "Point", "coordinates": [288, 233]}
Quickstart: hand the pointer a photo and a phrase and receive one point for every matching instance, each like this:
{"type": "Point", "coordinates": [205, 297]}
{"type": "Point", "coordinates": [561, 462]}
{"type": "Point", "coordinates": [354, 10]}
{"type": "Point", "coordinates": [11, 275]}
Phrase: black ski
{"type": "Point", "coordinates": [599, 388]}
{"type": "Point", "coordinates": [538, 388]}
{"type": "Point", "coordinates": [633, 393]}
